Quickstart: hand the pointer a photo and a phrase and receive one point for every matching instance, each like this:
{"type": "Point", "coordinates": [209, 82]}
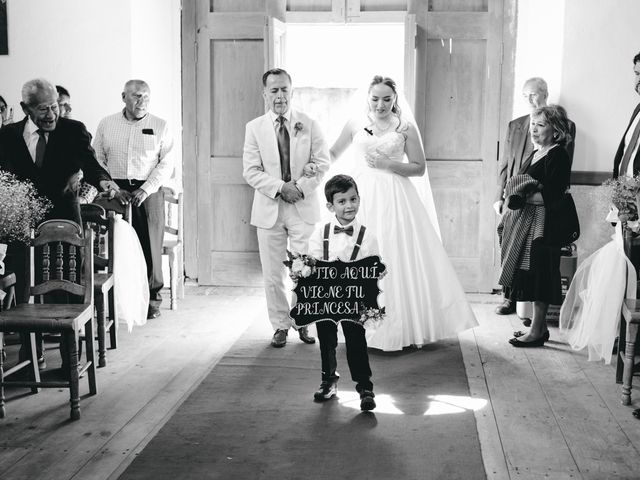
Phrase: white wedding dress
{"type": "Point", "coordinates": [423, 297]}
{"type": "Point", "coordinates": [590, 313]}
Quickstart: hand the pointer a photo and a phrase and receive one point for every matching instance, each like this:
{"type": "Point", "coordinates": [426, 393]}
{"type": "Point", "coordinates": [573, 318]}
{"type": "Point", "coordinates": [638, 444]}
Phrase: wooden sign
{"type": "Point", "coordinates": [338, 291]}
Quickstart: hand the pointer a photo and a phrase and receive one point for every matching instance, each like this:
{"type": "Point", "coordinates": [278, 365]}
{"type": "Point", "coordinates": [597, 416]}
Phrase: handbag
{"type": "Point", "coordinates": [562, 226]}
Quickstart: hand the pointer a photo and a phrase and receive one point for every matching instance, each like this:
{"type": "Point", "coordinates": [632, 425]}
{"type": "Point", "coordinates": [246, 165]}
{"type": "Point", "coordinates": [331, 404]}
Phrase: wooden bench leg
{"type": "Point", "coordinates": [91, 360]}
{"type": "Point", "coordinates": [113, 320]}
{"type": "Point", "coordinates": [173, 279]}
{"type": "Point", "coordinates": [101, 320]}
{"type": "Point", "coordinates": [629, 352]}
{"type": "Point", "coordinates": [2, 409]}
{"type": "Point", "coordinates": [72, 362]}
{"type": "Point", "coordinates": [622, 338]}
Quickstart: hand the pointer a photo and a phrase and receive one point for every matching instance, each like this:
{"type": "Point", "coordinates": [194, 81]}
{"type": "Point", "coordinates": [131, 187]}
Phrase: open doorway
{"type": "Point", "coordinates": [329, 62]}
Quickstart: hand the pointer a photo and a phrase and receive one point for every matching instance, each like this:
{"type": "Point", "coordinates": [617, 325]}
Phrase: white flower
{"type": "Point", "coordinates": [306, 271]}
{"type": "Point", "coordinates": [297, 264]}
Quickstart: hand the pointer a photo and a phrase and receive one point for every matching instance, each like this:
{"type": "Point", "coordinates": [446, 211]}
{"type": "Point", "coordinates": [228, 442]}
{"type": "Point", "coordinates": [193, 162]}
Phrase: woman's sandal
{"type": "Point", "coordinates": [520, 333]}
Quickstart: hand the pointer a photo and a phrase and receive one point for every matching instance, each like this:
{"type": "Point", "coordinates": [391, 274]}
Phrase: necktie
{"type": "Point", "coordinates": [348, 230]}
{"type": "Point", "coordinates": [624, 164]}
{"type": "Point", "coordinates": [40, 147]}
{"type": "Point", "coordinates": [283, 149]}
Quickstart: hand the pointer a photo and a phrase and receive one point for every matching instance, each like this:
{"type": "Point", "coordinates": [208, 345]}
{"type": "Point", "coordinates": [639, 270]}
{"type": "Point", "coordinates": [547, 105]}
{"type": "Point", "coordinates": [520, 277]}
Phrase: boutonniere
{"type": "Point", "coordinates": [298, 127]}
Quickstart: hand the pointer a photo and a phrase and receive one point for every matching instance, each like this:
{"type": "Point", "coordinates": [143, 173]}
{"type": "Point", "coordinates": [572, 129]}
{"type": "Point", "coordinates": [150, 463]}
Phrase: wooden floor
{"type": "Point", "coordinates": [548, 413]}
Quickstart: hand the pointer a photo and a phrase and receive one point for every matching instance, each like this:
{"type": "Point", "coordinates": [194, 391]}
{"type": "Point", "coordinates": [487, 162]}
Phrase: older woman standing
{"type": "Point", "coordinates": [531, 259]}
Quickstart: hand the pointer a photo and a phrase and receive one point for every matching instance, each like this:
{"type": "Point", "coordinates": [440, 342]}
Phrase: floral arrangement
{"type": "Point", "coordinates": [623, 194]}
{"type": "Point", "coordinates": [300, 266]}
{"type": "Point", "coordinates": [21, 209]}
{"type": "Point", "coordinates": [371, 317]}
{"type": "Point", "coordinates": [298, 127]}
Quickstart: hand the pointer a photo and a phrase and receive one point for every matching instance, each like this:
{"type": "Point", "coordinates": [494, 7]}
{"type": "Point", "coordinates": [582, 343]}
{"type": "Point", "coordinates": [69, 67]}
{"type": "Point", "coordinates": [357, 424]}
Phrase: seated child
{"type": "Point", "coordinates": [345, 239]}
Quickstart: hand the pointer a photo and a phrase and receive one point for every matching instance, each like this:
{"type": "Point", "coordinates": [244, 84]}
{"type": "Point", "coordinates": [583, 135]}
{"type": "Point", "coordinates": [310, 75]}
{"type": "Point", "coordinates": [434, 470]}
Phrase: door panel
{"type": "Point", "coordinates": [454, 99]}
{"type": "Point", "coordinates": [231, 60]}
{"type": "Point", "coordinates": [235, 98]}
{"type": "Point", "coordinates": [459, 54]}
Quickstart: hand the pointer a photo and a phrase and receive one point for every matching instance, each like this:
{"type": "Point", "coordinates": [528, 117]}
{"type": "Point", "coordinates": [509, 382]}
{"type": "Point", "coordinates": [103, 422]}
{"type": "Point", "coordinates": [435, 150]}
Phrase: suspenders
{"type": "Point", "coordinates": [356, 247]}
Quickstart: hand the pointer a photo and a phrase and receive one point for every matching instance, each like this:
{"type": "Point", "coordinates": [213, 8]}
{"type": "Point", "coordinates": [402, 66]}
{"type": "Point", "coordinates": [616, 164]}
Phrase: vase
{"type": "Point", "coordinates": [3, 253]}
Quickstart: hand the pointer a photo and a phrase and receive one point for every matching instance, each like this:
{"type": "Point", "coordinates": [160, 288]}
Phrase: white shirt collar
{"type": "Point", "coordinates": [30, 128]}
{"type": "Point", "coordinates": [275, 116]}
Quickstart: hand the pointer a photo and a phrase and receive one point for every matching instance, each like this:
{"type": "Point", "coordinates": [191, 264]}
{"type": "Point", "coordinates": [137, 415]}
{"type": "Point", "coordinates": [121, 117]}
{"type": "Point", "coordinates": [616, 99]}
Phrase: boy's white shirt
{"type": "Point", "coordinates": [340, 244]}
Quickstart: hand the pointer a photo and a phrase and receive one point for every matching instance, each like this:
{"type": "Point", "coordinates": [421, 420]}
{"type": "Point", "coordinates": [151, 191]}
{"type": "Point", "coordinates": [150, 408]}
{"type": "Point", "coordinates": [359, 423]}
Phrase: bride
{"type": "Point", "coordinates": [422, 294]}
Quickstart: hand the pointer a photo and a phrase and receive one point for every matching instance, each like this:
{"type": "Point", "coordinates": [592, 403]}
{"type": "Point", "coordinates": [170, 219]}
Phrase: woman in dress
{"type": "Point", "coordinates": [422, 294]}
{"type": "Point", "coordinates": [530, 255]}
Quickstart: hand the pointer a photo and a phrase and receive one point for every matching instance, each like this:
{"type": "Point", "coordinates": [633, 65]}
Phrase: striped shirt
{"type": "Point", "coordinates": [135, 149]}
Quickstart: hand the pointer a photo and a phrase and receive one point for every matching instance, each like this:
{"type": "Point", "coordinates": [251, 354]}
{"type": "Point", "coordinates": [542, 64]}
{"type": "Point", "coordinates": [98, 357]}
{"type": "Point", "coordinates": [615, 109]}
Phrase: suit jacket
{"type": "Point", "coordinates": [515, 150]}
{"type": "Point", "coordinates": [68, 150]}
{"type": "Point", "coordinates": [620, 152]}
{"type": "Point", "coordinates": [261, 166]}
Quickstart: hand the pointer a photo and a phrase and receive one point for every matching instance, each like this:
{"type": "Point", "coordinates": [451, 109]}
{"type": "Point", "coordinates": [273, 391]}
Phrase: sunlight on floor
{"type": "Point", "coordinates": [437, 404]}
{"type": "Point", "coordinates": [444, 404]}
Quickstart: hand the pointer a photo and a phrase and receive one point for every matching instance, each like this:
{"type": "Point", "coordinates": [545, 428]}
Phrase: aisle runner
{"type": "Point", "coordinates": [253, 417]}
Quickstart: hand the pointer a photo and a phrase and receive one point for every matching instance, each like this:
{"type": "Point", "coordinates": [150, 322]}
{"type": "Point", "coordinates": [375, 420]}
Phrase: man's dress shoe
{"type": "Point", "coordinates": [367, 402]}
{"type": "Point", "coordinates": [153, 312]}
{"type": "Point", "coordinates": [506, 308]}
{"type": "Point", "coordinates": [279, 339]}
{"type": "Point", "coordinates": [327, 391]}
{"type": "Point", "coordinates": [303, 333]}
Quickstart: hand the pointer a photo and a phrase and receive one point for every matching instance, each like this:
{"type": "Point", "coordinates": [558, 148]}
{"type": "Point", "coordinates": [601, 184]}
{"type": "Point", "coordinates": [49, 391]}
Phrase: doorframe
{"type": "Point", "coordinates": [342, 11]}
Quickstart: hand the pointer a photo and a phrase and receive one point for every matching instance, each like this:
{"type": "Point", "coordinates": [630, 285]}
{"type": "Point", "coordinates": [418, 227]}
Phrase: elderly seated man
{"type": "Point", "coordinates": [48, 151]}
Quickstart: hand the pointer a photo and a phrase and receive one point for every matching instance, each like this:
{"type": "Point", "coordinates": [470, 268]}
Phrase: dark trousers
{"type": "Point", "coordinates": [357, 356]}
{"type": "Point", "coordinates": [148, 222]}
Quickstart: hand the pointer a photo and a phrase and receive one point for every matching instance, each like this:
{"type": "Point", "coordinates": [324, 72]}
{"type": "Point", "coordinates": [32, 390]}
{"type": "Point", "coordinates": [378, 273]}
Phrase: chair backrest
{"type": "Point", "coordinates": [114, 205]}
{"type": "Point", "coordinates": [62, 260]}
{"type": "Point", "coordinates": [95, 218]}
{"type": "Point", "coordinates": [173, 212]}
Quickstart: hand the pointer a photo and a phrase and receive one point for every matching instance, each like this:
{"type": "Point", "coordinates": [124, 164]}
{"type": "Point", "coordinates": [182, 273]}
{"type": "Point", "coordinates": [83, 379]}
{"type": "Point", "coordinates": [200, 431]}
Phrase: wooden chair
{"type": "Point", "coordinates": [628, 333]}
{"type": "Point", "coordinates": [62, 259]}
{"type": "Point", "coordinates": [114, 206]}
{"type": "Point", "coordinates": [173, 244]}
{"type": "Point", "coordinates": [7, 286]}
{"type": "Point", "coordinates": [95, 218]}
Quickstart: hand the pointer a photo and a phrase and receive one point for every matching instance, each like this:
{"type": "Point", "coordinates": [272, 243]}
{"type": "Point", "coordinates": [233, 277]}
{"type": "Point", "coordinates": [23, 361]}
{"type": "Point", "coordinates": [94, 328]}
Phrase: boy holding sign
{"type": "Point", "coordinates": [345, 239]}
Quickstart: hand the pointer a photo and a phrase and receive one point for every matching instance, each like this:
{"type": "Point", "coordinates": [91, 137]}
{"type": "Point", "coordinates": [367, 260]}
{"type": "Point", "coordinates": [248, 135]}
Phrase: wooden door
{"type": "Point", "coordinates": [233, 51]}
{"type": "Point", "coordinates": [458, 104]}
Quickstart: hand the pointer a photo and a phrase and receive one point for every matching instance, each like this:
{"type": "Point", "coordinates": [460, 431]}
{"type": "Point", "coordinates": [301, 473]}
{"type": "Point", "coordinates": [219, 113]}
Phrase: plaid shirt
{"type": "Point", "coordinates": [135, 150]}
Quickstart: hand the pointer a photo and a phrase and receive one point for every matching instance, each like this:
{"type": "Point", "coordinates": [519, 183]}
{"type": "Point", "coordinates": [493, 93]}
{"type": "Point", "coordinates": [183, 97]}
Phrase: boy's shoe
{"type": "Point", "coordinates": [327, 391]}
{"type": "Point", "coordinates": [366, 401]}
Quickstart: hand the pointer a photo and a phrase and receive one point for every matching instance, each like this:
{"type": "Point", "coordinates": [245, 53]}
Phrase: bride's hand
{"type": "Point", "coordinates": [378, 160]}
{"type": "Point", "coordinates": [310, 170]}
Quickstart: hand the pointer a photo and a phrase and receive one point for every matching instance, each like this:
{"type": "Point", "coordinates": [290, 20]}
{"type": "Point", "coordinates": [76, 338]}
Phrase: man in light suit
{"type": "Point", "coordinates": [632, 167]}
{"type": "Point", "coordinates": [517, 148]}
{"type": "Point", "coordinates": [285, 208]}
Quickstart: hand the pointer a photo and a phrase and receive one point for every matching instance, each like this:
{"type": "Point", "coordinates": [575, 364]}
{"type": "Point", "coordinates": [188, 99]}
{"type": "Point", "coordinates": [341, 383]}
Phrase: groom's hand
{"type": "Point", "coordinates": [290, 192]}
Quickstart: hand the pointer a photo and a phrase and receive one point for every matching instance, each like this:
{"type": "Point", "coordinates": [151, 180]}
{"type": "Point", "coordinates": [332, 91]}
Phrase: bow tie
{"type": "Point", "coordinates": [348, 230]}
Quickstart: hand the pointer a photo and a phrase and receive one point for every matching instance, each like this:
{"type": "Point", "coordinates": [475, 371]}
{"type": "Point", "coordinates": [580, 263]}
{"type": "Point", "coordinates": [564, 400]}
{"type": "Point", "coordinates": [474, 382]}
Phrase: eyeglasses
{"type": "Point", "coordinates": [45, 108]}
